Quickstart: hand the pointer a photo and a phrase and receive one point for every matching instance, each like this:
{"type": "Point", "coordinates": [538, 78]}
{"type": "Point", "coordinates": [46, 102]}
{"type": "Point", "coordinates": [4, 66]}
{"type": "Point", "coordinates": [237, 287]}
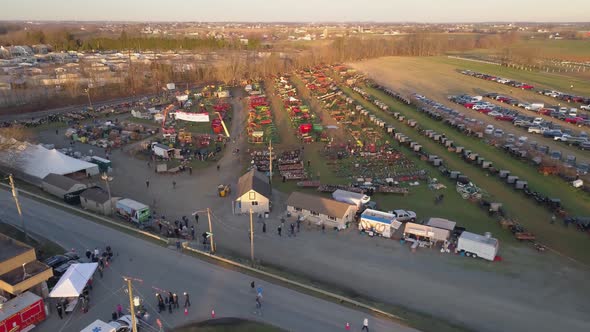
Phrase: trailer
{"type": "Point", "coordinates": [350, 197]}
{"type": "Point", "coordinates": [22, 313]}
{"type": "Point", "coordinates": [162, 150]}
{"type": "Point", "coordinates": [378, 222]}
{"type": "Point", "coordinates": [475, 245]}
{"type": "Point", "coordinates": [133, 211]}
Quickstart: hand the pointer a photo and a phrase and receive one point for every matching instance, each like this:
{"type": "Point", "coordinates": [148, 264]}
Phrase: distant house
{"type": "Point", "coordinates": [97, 200]}
{"type": "Point", "coordinates": [253, 192]}
{"type": "Point", "coordinates": [320, 210]}
{"type": "Point", "coordinates": [59, 185]}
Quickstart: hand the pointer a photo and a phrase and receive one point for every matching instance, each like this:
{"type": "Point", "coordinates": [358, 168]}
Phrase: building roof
{"type": "Point", "coordinates": [60, 181]}
{"type": "Point", "coordinates": [10, 248]}
{"type": "Point", "coordinates": [95, 194]}
{"type": "Point", "coordinates": [254, 180]}
{"type": "Point", "coordinates": [321, 205]}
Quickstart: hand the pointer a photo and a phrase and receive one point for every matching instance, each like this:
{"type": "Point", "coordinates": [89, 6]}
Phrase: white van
{"type": "Point", "coordinates": [489, 130]}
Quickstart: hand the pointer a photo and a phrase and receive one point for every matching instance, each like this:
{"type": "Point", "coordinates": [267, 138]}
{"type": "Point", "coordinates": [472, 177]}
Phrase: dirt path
{"type": "Point", "coordinates": [437, 81]}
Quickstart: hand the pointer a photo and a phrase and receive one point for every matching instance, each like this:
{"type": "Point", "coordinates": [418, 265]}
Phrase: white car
{"type": "Point", "coordinates": [494, 113]}
{"type": "Point", "coordinates": [498, 133]}
{"type": "Point", "coordinates": [585, 107]}
{"type": "Point", "coordinates": [536, 130]}
{"type": "Point", "coordinates": [489, 130]}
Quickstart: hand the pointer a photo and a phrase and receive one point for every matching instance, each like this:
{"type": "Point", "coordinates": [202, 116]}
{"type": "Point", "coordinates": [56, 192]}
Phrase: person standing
{"type": "Point", "coordinates": [553, 218]}
{"type": "Point", "coordinates": [365, 325]}
{"type": "Point", "coordinates": [279, 230]}
{"type": "Point", "coordinates": [170, 302]}
{"type": "Point", "coordinates": [59, 308]}
{"type": "Point", "coordinates": [187, 300]}
{"type": "Point", "coordinates": [96, 253]}
{"type": "Point", "coordinates": [88, 254]}
{"type": "Point", "coordinates": [175, 299]}
{"type": "Point", "coordinates": [196, 218]}
{"type": "Point", "coordinates": [119, 310]}
{"type": "Point", "coordinates": [173, 184]}
{"type": "Point", "coordinates": [258, 304]}
{"type": "Point", "coordinates": [264, 227]}
{"type": "Point", "coordinates": [147, 183]}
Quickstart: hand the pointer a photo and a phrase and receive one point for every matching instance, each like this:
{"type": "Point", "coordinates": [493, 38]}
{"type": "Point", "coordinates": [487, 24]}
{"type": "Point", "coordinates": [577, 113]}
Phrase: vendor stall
{"type": "Point", "coordinates": [71, 285]}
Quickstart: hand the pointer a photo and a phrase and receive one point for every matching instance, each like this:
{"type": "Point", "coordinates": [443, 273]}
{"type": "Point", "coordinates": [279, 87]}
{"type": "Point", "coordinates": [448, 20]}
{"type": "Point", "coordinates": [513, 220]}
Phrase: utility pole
{"type": "Point", "coordinates": [88, 94]}
{"type": "Point", "coordinates": [270, 164]}
{"type": "Point", "coordinates": [210, 230]}
{"type": "Point", "coordinates": [20, 212]}
{"type": "Point", "coordinates": [108, 179]}
{"type": "Point", "coordinates": [251, 238]}
{"type": "Point", "coordinates": [131, 305]}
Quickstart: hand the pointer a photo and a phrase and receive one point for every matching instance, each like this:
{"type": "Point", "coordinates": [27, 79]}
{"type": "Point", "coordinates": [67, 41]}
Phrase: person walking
{"type": "Point", "coordinates": [218, 167]}
{"type": "Point", "coordinates": [190, 170]}
{"type": "Point", "coordinates": [88, 254]}
{"type": "Point", "coordinates": [173, 184]}
{"type": "Point", "coordinates": [365, 325]}
{"type": "Point", "coordinates": [253, 286]}
{"type": "Point", "coordinates": [298, 224]}
{"type": "Point", "coordinates": [263, 227]}
{"type": "Point", "coordinates": [279, 230]}
{"type": "Point", "coordinates": [185, 219]}
{"type": "Point", "coordinates": [193, 232]}
{"type": "Point", "coordinates": [553, 218]}
{"type": "Point", "coordinates": [187, 300]}
{"type": "Point", "coordinates": [59, 309]}
{"type": "Point", "coordinates": [196, 218]}
{"type": "Point", "coordinates": [258, 304]}
{"type": "Point", "coordinates": [160, 302]}
{"type": "Point", "coordinates": [147, 183]}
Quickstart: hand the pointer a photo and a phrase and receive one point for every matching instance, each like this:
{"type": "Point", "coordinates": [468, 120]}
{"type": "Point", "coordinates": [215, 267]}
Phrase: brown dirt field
{"type": "Point", "coordinates": [437, 81]}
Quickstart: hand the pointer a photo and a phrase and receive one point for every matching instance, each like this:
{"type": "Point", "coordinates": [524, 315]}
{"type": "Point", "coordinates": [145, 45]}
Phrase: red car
{"type": "Point", "coordinates": [574, 120]}
{"type": "Point", "coordinates": [484, 110]}
{"type": "Point", "coordinates": [545, 111]}
{"type": "Point", "coordinates": [505, 118]}
{"type": "Point", "coordinates": [469, 105]}
{"type": "Point", "coordinates": [503, 99]}
{"type": "Point", "coordinates": [527, 87]}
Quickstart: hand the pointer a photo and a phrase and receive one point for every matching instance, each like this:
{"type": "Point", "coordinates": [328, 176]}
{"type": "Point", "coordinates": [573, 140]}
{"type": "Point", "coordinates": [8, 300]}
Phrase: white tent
{"type": "Point", "coordinates": [74, 280]}
{"type": "Point", "coordinates": [37, 161]}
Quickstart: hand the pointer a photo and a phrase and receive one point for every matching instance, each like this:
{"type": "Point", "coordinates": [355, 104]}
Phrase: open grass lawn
{"type": "Point", "coordinates": [536, 218]}
{"type": "Point", "coordinates": [557, 81]}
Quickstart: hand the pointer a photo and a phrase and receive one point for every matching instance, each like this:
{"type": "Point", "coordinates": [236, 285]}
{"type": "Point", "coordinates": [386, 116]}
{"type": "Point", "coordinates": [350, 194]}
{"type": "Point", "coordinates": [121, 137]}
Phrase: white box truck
{"type": "Point", "coordinates": [475, 245]}
{"type": "Point", "coordinates": [133, 211]}
{"type": "Point", "coordinates": [162, 150]}
{"type": "Point", "coordinates": [99, 325]}
{"type": "Point", "coordinates": [350, 197]}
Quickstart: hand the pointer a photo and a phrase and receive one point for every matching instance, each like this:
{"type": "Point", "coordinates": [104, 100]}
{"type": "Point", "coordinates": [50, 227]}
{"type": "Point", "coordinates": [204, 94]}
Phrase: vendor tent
{"type": "Point", "coordinates": [74, 280]}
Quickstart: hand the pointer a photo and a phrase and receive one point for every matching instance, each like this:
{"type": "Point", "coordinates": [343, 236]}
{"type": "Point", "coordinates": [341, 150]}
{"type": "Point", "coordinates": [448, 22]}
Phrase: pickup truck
{"type": "Point", "coordinates": [585, 107]}
{"type": "Point", "coordinates": [403, 215]}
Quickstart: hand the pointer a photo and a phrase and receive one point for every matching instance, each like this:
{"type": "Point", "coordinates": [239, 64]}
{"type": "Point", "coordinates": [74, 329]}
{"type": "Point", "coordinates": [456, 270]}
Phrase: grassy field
{"type": "Point", "coordinates": [565, 240]}
{"type": "Point", "coordinates": [557, 81]}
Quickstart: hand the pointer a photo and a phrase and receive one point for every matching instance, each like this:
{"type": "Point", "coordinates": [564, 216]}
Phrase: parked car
{"type": "Point", "coordinates": [55, 261]}
{"type": "Point", "coordinates": [552, 133]}
{"type": "Point", "coordinates": [585, 107]}
{"type": "Point", "coordinates": [584, 145]}
{"type": "Point", "coordinates": [489, 130]}
{"type": "Point", "coordinates": [498, 133]}
{"type": "Point", "coordinates": [536, 130]}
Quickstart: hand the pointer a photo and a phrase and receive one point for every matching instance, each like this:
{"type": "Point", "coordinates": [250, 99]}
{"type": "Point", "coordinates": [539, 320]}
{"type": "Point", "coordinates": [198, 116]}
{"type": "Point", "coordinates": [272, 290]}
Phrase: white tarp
{"type": "Point", "coordinates": [37, 161]}
{"type": "Point", "coordinates": [182, 98]}
{"type": "Point", "coordinates": [192, 117]}
{"type": "Point", "coordinates": [74, 280]}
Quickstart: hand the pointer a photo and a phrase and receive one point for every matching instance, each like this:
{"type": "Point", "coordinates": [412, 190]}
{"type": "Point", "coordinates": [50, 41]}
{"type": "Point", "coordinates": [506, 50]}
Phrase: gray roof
{"type": "Point", "coordinates": [60, 181]}
{"type": "Point", "coordinates": [321, 205]}
{"type": "Point", "coordinates": [95, 194]}
{"type": "Point", "coordinates": [254, 180]}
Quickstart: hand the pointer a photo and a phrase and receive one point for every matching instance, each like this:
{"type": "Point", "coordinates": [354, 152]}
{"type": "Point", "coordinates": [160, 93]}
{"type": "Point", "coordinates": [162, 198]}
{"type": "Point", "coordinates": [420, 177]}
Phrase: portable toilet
{"type": "Point", "coordinates": [432, 157]}
{"type": "Point", "coordinates": [504, 173]}
{"type": "Point", "coordinates": [454, 174]}
{"type": "Point", "coordinates": [417, 147]}
{"type": "Point", "coordinates": [520, 184]}
{"type": "Point", "coordinates": [437, 162]}
{"type": "Point", "coordinates": [413, 144]}
{"type": "Point", "coordinates": [512, 179]}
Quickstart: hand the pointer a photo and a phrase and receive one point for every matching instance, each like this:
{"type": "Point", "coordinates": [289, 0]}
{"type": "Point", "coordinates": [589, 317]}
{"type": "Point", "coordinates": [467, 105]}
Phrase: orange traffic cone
{"type": "Point", "coordinates": [212, 313]}
{"type": "Point", "coordinates": [347, 326]}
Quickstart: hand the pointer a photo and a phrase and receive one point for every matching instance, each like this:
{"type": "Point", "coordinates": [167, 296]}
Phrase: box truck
{"type": "Point", "coordinates": [133, 211]}
{"type": "Point", "coordinates": [475, 245]}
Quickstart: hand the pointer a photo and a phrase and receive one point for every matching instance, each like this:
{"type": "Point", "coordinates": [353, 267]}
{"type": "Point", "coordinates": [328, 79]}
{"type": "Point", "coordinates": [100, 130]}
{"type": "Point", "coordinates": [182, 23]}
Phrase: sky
{"type": "Point", "coordinates": [298, 10]}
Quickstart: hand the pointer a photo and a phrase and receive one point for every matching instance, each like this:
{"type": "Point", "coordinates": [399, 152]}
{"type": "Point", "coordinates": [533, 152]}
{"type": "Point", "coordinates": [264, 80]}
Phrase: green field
{"type": "Point", "coordinates": [536, 218]}
{"type": "Point", "coordinates": [553, 81]}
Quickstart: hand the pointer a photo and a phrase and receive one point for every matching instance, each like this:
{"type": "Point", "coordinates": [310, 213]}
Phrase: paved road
{"type": "Point", "coordinates": [212, 287]}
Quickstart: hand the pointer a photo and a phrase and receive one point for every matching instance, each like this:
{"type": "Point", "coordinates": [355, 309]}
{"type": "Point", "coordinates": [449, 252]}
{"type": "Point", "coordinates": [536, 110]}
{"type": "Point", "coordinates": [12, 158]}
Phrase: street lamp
{"type": "Point", "coordinates": [108, 179]}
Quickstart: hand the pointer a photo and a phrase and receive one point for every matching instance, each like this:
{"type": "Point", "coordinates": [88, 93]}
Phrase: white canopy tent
{"type": "Point", "coordinates": [37, 161]}
{"type": "Point", "coordinates": [72, 283]}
